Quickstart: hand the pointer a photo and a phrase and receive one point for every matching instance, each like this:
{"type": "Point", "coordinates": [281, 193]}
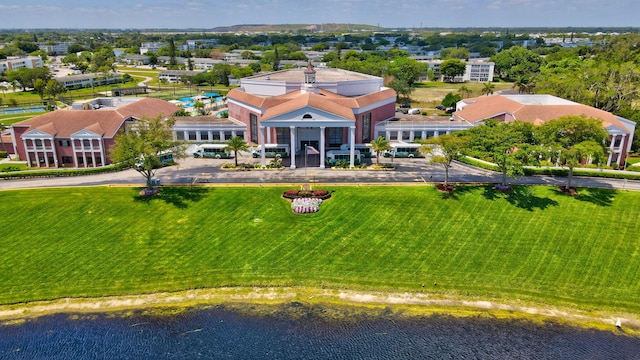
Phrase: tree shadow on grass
{"type": "Point", "coordinates": [520, 196]}
{"type": "Point", "coordinates": [178, 196]}
{"type": "Point", "coordinates": [597, 196]}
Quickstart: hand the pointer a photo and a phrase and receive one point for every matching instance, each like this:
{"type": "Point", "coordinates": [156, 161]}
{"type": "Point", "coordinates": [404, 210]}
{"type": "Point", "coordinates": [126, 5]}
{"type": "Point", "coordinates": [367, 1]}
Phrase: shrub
{"type": "Point", "coordinates": [3, 154]}
{"type": "Point", "coordinates": [320, 192]}
{"type": "Point", "coordinates": [291, 193]}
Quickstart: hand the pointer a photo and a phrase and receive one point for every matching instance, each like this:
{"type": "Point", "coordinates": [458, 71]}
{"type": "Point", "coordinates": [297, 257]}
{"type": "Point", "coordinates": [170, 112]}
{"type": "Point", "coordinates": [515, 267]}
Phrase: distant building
{"type": "Point", "coordinates": [81, 137]}
{"type": "Point", "coordinates": [175, 76]}
{"type": "Point", "coordinates": [151, 46]}
{"type": "Point", "coordinates": [475, 71]}
{"type": "Point", "coordinates": [60, 48]}
{"type": "Point", "coordinates": [18, 62]}
{"type": "Point", "coordinates": [89, 80]}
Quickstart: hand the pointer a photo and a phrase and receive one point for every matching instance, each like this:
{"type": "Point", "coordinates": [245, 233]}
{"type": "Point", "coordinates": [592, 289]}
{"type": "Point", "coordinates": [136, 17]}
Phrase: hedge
{"type": "Point", "coordinates": [552, 171]}
{"type": "Point", "coordinates": [61, 172]}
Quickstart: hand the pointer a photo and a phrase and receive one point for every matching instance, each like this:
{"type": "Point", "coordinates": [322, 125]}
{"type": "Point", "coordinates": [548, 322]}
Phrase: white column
{"type": "Point", "coordinates": [101, 143]}
{"type": "Point", "coordinates": [293, 146]}
{"type": "Point", "coordinates": [269, 137]}
{"type": "Point", "coordinates": [352, 148]}
{"type": "Point", "coordinates": [436, 133]}
{"type": "Point", "coordinates": [424, 134]}
{"type": "Point", "coordinates": [263, 158]}
{"type": "Point", "coordinates": [75, 155]}
{"type": "Point", "coordinates": [388, 135]}
{"type": "Point", "coordinates": [93, 155]}
{"type": "Point", "coordinates": [210, 137]}
{"type": "Point", "coordinates": [26, 152]}
{"type": "Point", "coordinates": [233, 133]}
{"type": "Point", "coordinates": [322, 128]}
{"type": "Point", "coordinates": [222, 136]}
{"type": "Point", "coordinates": [411, 135]}
{"type": "Point", "coordinates": [53, 151]}
{"type": "Point", "coordinates": [399, 135]}
{"type": "Point", "coordinates": [613, 141]}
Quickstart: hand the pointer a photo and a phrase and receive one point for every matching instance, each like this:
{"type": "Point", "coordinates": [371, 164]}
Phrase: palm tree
{"type": "Point", "coordinates": [236, 144]}
{"type": "Point", "coordinates": [488, 89]}
{"type": "Point", "coordinates": [379, 145]}
{"type": "Point", "coordinates": [464, 91]}
{"type": "Point", "coordinates": [199, 105]}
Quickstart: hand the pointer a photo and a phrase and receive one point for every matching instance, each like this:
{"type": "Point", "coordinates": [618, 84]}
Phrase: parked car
{"type": "Point", "coordinates": [441, 108]}
{"type": "Point", "coordinates": [405, 106]}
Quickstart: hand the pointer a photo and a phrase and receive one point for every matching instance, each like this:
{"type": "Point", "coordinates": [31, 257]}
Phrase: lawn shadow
{"type": "Point", "coordinates": [178, 196]}
{"type": "Point", "coordinates": [519, 196]}
{"type": "Point", "coordinates": [597, 196]}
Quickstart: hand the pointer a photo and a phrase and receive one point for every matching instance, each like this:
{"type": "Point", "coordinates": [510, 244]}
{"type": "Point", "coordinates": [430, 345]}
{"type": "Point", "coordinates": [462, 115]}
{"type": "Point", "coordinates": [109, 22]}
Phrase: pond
{"type": "Point", "coordinates": [299, 332]}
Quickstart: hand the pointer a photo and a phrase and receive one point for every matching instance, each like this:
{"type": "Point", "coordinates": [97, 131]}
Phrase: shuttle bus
{"type": "Point", "coordinates": [272, 151]}
{"type": "Point", "coordinates": [333, 156]}
{"type": "Point", "coordinates": [216, 151]}
{"type": "Point", "coordinates": [365, 149]}
{"type": "Point", "coordinates": [404, 150]}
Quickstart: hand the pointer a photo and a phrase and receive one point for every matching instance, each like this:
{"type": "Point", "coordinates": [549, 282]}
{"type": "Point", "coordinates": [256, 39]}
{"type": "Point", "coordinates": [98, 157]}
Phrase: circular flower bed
{"type": "Point", "coordinates": [305, 205]}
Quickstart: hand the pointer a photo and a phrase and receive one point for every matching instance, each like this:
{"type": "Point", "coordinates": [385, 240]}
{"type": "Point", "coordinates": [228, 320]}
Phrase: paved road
{"type": "Point", "coordinates": [208, 171]}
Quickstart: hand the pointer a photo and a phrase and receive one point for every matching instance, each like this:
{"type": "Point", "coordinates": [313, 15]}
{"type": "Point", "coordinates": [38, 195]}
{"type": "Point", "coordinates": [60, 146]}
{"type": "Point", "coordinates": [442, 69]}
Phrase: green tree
{"type": "Point", "coordinates": [406, 69]}
{"type": "Point", "coordinates": [464, 91]}
{"type": "Point", "coordinates": [516, 61]}
{"type": "Point", "coordinates": [447, 148]}
{"type": "Point", "coordinates": [380, 145]}
{"type": "Point", "coordinates": [200, 107]}
{"type": "Point", "coordinates": [452, 68]}
{"type": "Point", "coordinates": [141, 145]}
{"type": "Point", "coordinates": [401, 88]}
{"type": "Point", "coordinates": [236, 144]}
{"type": "Point", "coordinates": [573, 139]}
{"type": "Point", "coordinates": [450, 100]}
{"type": "Point", "coordinates": [488, 88]}
{"type": "Point", "coordinates": [501, 143]}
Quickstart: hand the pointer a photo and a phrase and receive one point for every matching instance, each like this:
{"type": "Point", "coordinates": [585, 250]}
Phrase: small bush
{"type": "Point", "coordinates": [320, 192]}
{"type": "Point", "coordinates": [3, 154]}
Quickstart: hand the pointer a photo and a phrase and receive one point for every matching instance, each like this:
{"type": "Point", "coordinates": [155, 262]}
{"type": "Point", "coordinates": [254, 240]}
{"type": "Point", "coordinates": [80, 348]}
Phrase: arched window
{"type": "Point", "coordinates": [307, 116]}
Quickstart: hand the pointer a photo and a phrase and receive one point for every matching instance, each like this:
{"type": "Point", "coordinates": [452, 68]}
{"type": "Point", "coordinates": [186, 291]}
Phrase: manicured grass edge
{"type": "Point", "coordinates": [336, 304]}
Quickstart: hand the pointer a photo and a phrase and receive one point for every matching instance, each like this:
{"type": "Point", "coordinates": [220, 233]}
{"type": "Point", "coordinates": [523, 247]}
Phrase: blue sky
{"type": "Point", "coordinates": [386, 13]}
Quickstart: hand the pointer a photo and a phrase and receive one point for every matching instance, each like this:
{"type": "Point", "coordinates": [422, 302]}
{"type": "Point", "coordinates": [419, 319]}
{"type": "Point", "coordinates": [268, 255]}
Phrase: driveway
{"type": "Point", "coordinates": [208, 171]}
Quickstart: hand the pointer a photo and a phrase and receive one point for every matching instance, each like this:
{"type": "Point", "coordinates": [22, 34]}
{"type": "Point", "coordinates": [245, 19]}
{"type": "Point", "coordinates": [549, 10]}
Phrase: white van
{"type": "Point", "coordinates": [414, 111]}
{"type": "Point", "coordinates": [216, 151]}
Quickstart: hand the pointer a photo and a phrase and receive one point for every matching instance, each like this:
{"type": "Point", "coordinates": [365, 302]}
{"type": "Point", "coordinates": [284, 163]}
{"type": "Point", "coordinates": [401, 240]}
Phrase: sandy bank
{"type": "Point", "coordinates": [410, 304]}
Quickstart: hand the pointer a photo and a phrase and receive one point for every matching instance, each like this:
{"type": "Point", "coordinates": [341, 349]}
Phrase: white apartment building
{"type": "Point", "coordinates": [476, 70]}
{"type": "Point", "coordinates": [61, 48]}
{"type": "Point", "coordinates": [151, 46]}
{"type": "Point", "coordinates": [18, 62]}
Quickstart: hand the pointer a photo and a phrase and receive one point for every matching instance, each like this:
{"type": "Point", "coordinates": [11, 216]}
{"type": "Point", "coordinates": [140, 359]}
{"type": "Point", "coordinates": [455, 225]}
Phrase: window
{"type": "Point", "coordinates": [204, 135]}
{"type": "Point", "coordinates": [227, 135]}
{"type": "Point", "coordinates": [253, 124]}
{"type": "Point", "coordinates": [192, 136]}
{"type": "Point", "coordinates": [179, 135]}
{"type": "Point", "coordinates": [335, 136]}
{"type": "Point", "coordinates": [283, 135]}
{"type": "Point", "coordinates": [86, 143]}
{"type": "Point", "coordinates": [64, 142]}
{"type": "Point", "coordinates": [366, 128]}
{"type": "Point", "coordinates": [38, 142]}
{"type": "Point", "coordinates": [67, 160]}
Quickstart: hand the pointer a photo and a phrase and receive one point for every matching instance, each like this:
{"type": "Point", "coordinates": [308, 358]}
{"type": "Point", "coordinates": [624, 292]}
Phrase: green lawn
{"type": "Point", "coordinates": [533, 244]}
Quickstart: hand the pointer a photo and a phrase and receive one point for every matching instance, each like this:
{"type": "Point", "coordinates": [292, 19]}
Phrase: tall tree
{"type": "Point", "coordinates": [452, 68]}
{"type": "Point", "coordinates": [380, 145]}
{"type": "Point", "coordinates": [141, 145]}
{"type": "Point", "coordinates": [573, 139]}
{"type": "Point", "coordinates": [501, 142]}
{"type": "Point", "coordinates": [236, 144]}
{"type": "Point", "coordinates": [172, 53]}
{"type": "Point", "coordinates": [447, 148]}
{"type": "Point", "coordinates": [488, 88]}
{"type": "Point", "coordinates": [516, 61]}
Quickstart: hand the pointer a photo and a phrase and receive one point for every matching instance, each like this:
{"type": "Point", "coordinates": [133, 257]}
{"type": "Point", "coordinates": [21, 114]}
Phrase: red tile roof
{"type": "Point", "coordinates": [325, 100]}
{"type": "Point", "coordinates": [486, 107]}
{"type": "Point", "coordinates": [64, 123]}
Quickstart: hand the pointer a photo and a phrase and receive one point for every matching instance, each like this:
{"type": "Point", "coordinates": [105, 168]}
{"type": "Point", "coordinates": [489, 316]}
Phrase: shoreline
{"type": "Point", "coordinates": [404, 304]}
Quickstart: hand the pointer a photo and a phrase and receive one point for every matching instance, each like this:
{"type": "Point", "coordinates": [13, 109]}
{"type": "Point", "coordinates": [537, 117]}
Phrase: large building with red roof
{"type": "Point", "coordinates": [537, 109]}
{"type": "Point", "coordinates": [322, 107]}
{"type": "Point", "coordinates": [82, 136]}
